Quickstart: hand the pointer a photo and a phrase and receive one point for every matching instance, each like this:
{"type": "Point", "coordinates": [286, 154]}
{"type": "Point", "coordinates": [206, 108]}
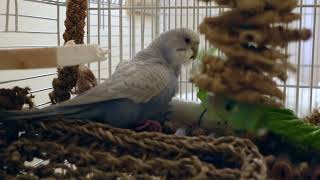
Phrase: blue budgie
{"type": "Point", "coordinates": [138, 92]}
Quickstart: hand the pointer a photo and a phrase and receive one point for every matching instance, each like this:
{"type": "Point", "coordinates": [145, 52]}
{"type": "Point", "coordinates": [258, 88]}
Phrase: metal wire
{"type": "Point", "coordinates": [299, 63]}
{"type": "Point", "coordinates": [313, 54]}
{"type": "Point", "coordinates": [126, 26]}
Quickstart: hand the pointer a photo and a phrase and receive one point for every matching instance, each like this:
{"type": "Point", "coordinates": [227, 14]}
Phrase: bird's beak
{"type": "Point", "coordinates": [195, 48]}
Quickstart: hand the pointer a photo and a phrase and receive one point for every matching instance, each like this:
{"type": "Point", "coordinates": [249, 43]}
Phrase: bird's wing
{"type": "Point", "coordinates": [122, 63]}
{"type": "Point", "coordinates": [138, 81]}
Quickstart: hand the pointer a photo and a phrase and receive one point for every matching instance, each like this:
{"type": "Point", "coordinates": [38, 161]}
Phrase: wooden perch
{"type": "Point", "coordinates": [31, 58]}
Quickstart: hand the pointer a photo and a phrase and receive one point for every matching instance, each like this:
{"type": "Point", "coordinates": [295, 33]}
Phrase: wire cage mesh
{"type": "Point", "coordinates": [127, 26]}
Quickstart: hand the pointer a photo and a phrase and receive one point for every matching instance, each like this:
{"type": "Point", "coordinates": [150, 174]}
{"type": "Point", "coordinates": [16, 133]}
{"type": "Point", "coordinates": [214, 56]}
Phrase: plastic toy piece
{"type": "Point", "coordinates": [49, 57]}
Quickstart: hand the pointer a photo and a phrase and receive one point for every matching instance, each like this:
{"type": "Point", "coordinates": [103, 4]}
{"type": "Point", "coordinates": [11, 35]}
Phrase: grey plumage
{"type": "Point", "coordinates": [139, 89]}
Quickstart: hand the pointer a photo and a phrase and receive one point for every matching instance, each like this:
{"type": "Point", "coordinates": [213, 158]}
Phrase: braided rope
{"type": "Point", "coordinates": [101, 151]}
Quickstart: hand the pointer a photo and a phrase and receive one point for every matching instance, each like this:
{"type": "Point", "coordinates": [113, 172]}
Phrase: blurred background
{"type": "Point", "coordinates": [127, 26]}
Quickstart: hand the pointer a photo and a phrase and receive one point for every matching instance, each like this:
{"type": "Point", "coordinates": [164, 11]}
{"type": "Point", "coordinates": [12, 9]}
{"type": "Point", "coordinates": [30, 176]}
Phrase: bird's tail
{"type": "Point", "coordinates": [37, 114]}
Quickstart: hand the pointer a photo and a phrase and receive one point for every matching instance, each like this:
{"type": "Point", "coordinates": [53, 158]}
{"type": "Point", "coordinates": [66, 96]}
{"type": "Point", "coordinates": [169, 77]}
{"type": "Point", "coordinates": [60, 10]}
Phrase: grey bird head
{"type": "Point", "coordinates": [178, 46]}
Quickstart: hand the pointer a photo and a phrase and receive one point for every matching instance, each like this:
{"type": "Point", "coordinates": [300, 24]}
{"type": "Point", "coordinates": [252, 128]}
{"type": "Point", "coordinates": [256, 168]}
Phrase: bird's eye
{"type": "Point", "coordinates": [187, 40]}
{"type": "Point", "coordinates": [229, 106]}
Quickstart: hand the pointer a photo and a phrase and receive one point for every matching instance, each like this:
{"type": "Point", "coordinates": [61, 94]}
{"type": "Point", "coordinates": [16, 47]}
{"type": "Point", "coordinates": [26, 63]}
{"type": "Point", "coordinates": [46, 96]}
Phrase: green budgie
{"type": "Point", "coordinates": [257, 118]}
{"type": "Point", "coordinates": [220, 114]}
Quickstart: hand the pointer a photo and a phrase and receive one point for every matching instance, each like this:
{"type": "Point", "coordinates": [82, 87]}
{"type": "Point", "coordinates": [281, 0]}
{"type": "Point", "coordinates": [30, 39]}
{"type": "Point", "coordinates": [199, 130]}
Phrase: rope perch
{"type": "Point", "coordinates": [98, 149]}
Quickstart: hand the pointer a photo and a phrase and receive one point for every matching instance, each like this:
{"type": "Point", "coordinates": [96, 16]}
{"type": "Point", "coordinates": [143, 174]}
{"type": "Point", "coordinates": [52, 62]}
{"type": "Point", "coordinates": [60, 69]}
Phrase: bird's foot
{"type": "Point", "coordinates": [149, 125]}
